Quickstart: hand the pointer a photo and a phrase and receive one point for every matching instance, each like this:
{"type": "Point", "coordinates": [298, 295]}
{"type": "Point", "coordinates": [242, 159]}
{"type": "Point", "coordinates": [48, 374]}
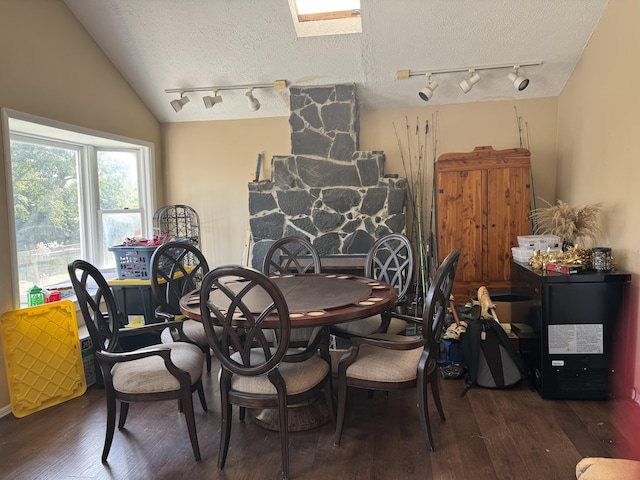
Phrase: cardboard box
{"type": "Point", "coordinates": [512, 308]}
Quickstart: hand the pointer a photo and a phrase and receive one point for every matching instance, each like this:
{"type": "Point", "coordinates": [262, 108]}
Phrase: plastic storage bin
{"type": "Point", "coordinates": [522, 254]}
{"type": "Point", "coordinates": [133, 262]}
{"type": "Point", "coordinates": [42, 356]}
{"type": "Point", "coordinates": [540, 242]}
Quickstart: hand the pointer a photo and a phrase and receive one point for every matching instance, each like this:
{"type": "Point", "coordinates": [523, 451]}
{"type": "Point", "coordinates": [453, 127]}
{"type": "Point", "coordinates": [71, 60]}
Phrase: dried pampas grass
{"type": "Point", "coordinates": [572, 224]}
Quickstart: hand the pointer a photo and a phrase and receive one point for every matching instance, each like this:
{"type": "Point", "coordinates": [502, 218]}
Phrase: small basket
{"type": "Point", "coordinates": [133, 262]}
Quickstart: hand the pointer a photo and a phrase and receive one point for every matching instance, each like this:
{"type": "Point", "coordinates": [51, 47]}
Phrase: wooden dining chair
{"type": "Point", "coordinates": [289, 255]}
{"type": "Point", "coordinates": [390, 260]}
{"type": "Point", "coordinates": [157, 372]}
{"type": "Point", "coordinates": [178, 268]}
{"type": "Point", "coordinates": [392, 362]}
{"type": "Point", "coordinates": [254, 372]}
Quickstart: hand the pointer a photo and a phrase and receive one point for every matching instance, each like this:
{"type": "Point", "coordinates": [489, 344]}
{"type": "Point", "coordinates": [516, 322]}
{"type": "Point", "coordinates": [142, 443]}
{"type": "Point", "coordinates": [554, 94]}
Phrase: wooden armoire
{"type": "Point", "coordinates": [482, 205]}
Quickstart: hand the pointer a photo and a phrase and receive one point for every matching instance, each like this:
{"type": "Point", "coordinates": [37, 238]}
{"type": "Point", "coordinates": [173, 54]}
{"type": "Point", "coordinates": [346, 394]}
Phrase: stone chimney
{"type": "Point", "coordinates": [325, 191]}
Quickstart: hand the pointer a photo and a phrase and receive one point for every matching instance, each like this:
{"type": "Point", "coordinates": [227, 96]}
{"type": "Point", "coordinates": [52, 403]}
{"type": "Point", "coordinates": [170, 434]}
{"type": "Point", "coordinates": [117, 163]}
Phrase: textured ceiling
{"type": "Point", "coordinates": [163, 44]}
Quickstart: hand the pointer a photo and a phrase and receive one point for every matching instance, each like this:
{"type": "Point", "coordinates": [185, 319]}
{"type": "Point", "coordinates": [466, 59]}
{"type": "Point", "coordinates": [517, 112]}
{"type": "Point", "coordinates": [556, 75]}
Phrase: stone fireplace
{"type": "Point", "coordinates": [326, 191]}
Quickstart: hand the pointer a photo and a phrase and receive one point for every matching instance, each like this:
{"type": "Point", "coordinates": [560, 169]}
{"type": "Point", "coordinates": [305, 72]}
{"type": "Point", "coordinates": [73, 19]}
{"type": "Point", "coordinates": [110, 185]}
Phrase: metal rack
{"type": "Point", "coordinates": [181, 221]}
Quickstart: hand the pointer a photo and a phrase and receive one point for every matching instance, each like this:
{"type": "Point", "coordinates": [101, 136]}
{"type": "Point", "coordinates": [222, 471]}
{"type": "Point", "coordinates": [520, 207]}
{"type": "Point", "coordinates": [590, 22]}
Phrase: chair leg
{"type": "Point", "coordinates": [284, 435]}
{"type": "Point", "coordinates": [435, 391]}
{"type": "Point", "coordinates": [207, 354]}
{"type": "Point", "coordinates": [342, 401]}
{"type": "Point", "coordinates": [124, 410]}
{"type": "Point", "coordinates": [423, 410]}
{"type": "Point", "coordinates": [225, 430]}
{"type": "Point", "coordinates": [328, 395]}
{"type": "Point", "coordinates": [203, 400]}
{"type": "Point", "coordinates": [111, 425]}
{"type": "Point", "coordinates": [242, 414]}
{"type": "Point", "coordinates": [187, 401]}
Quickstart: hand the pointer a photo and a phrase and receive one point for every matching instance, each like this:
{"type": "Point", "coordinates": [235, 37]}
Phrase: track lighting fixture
{"type": "Point", "coordinates": [210, 101]}
{"type": "Point", "coordinates": [254, 104]}
{"type": "Point", "coordinates": [178, 103]}
{"type": "Point", "coordinates": [467, 84]}
{"type": "Point", "coordinates": [518, 81]}
{"type": "Point", "coordinates": [427, 92]}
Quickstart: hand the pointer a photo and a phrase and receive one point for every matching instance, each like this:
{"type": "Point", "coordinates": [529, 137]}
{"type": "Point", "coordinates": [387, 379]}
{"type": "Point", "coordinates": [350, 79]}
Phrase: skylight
{"type": "Point", "coordinates": [325, 17]}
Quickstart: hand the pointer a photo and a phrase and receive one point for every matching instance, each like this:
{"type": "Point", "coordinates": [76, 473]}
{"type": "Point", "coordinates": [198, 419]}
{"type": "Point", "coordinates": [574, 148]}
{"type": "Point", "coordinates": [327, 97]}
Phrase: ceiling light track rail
{"type": "Point", "coordinates": [426, 93]}
{"type": "Point", "coordinates": [405, 74]}
{"type": "Point", "coordinates": [211, 101]}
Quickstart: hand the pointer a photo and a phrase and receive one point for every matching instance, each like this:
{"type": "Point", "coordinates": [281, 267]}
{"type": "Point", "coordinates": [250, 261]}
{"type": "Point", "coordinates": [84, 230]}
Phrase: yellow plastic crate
{"type": "Point", "coordinates": [42, 356]}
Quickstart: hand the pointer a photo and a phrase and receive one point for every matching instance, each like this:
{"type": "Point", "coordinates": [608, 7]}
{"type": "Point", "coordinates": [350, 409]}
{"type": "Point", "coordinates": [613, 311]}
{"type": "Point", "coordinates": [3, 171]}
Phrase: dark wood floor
{"type": "Point", "coordinates": [489, 434]}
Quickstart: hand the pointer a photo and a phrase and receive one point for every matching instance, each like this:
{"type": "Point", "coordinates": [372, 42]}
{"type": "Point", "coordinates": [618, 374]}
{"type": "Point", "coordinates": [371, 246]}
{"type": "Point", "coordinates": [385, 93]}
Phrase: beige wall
{"type": "Point", "coordinates": [209, 163]}
{"type": "Point", "coordinates": [208, 167]}
{"type": "Point", "coordinates": [598, 128]}
{"type": "Point", "coordinates": [52, 68]}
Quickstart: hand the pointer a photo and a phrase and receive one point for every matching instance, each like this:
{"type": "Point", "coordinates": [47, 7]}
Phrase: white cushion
{"type": "Point", "coordinates": [299, 377]}
{"type": "Point", "coordinates": [364, 327]}
{"type": "Point", "coordinates": [149, 375]}
{"type": "Point", "coordinates": [384, 365]}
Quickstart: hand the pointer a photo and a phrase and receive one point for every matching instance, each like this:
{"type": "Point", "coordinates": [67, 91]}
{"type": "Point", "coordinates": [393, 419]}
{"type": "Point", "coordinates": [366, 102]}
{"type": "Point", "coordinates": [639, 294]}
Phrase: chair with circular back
{"type": "Point", "coordinates": [157, 372]}
{"type": "Point", "coordinates": [255, 373]}
{"type": "Point", "coordinates": [293, 255]}
{"type": "Point", "coordinates": [177, 268]}
{"type": "Point", "coordinates": [390, 259]}
{"type": "Point", "coordinates": [392, 362]}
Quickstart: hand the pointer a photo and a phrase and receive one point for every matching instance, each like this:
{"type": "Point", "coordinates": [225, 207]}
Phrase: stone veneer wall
{"type": "Point", "coordinates": [326, 191]}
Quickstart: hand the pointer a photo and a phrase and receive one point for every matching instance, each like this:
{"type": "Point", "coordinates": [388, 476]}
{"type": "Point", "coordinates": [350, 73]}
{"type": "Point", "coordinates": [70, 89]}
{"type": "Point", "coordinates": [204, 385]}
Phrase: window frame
{"type": "Point", "coordinates": [87, 143]}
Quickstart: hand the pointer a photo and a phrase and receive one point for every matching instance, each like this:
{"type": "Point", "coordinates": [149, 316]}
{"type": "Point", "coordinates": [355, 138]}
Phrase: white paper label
{"type": "Point", "coordinates": [557, 363]}
{"type": "Point", "coordinates": [582, 338]}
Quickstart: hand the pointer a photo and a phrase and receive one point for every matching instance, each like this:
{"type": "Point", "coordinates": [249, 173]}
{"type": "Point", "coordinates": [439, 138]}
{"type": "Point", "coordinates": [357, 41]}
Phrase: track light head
{"type": "Point", "coordinates": [210, 101]}
{"type": "Point", "coordinates": [467, 84]}
{"type": "Point", "coordinates": [178, 103]}
{"type": "Point", "coordinates": [254, 104]}
{"type": "Point", "coordinates": [518, 81]}
{"type": "Point", "coordinates": [426, 93]}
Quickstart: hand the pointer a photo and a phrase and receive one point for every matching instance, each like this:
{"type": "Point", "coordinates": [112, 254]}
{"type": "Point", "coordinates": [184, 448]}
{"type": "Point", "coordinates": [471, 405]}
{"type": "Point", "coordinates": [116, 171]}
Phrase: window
{"type": "Point", "coordinates": [325, 17]}
{"type": "Point", "coordinates": [72, 194]}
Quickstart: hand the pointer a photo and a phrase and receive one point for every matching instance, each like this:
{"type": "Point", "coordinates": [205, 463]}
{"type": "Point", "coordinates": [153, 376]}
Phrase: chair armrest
{"type": "Point", "coordinates": [151, 327]}
{"type": "Point", "coordinates": [320, 342]}
{"type": "Point", "coordinates": [408, 344]}
{"type": "Point", "coordinates": [356, 342]}
{"type": "Point", "coordinates": [164, 316]}
{"type": "Point", "coordinates": [408, 318]}
{"type": "Point", "coordinates": [118, 357]}
{"type": "Point", "coordinates": [163, 351]}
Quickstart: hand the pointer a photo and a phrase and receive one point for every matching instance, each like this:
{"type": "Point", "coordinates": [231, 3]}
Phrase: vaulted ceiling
{"type": "Point", "coordinates": [166, 44]}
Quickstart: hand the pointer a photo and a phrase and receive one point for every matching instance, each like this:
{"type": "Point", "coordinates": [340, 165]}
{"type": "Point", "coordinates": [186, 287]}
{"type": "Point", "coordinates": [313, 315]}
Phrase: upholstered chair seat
{"type": "Point", "coordinates": [150, 375]}
{"type": "Point", "coordinates": [298, 376]}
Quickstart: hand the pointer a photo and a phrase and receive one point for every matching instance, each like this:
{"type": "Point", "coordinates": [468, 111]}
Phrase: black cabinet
{"type": "Point", "coordinates": [574, 318]}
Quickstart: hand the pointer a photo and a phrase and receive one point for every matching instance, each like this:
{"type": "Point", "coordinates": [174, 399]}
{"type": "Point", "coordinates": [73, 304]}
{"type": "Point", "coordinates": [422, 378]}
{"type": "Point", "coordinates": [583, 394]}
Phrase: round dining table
{"type": "Point", "coordinates": [314, 300]}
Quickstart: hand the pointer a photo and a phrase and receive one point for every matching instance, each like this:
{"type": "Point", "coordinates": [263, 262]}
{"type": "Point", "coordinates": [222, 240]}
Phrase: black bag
{"type": "Point", "coordinates": [492, 362]}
